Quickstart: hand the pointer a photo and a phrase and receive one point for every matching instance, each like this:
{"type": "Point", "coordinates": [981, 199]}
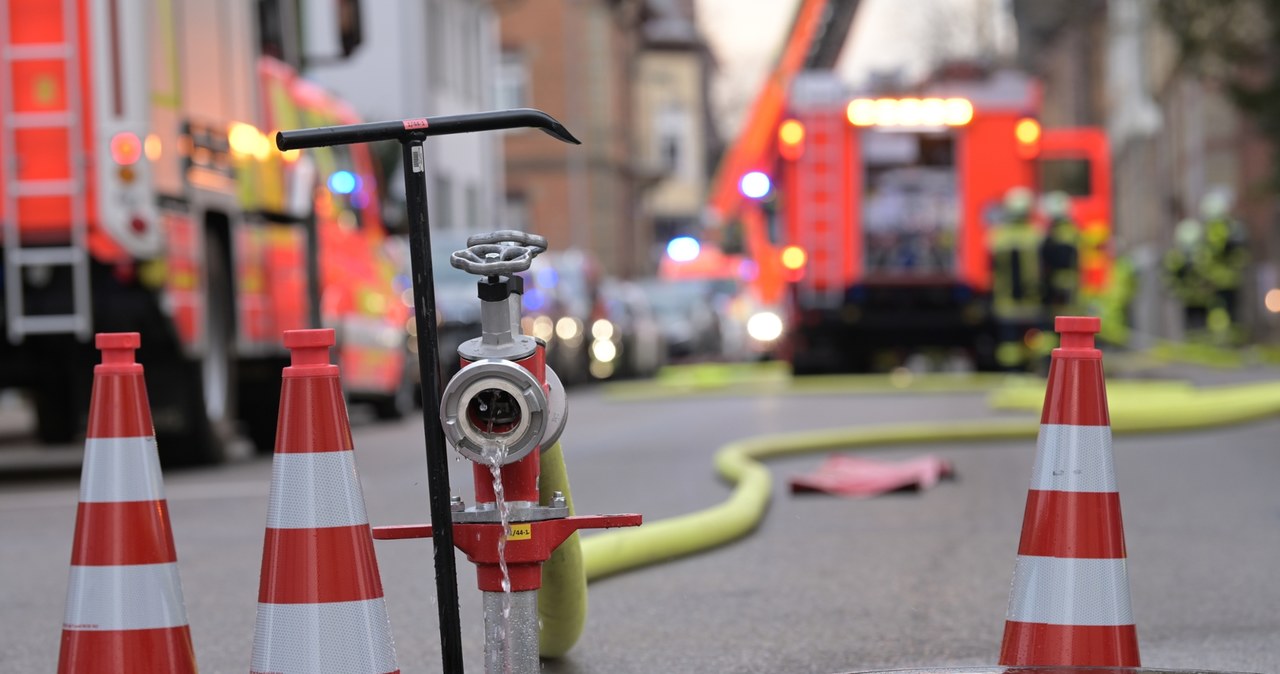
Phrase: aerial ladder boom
{"type": "Point", "coordinates": [815, 40]}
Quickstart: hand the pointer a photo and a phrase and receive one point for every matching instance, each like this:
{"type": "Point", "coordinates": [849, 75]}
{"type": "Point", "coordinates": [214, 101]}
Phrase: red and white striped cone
{"type": "Point", "coordinates": [320, 602]}
{"type": "Point", "coordinates": [1070, 599]}
{"type": "Point", "coordinates": [124, 600]}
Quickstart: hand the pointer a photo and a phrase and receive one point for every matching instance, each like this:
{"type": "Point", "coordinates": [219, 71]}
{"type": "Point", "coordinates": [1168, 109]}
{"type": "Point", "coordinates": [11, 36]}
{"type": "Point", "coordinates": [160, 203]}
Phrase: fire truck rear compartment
{"type": "Point", "coordinates": [874, 318]}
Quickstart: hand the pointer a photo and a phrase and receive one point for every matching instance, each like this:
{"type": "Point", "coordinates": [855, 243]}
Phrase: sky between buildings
{"type": "Point", "coordinates": [888, 35]}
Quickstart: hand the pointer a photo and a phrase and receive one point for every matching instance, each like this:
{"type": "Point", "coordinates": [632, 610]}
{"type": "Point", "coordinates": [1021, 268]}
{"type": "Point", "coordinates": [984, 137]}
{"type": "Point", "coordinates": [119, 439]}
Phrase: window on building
{"type": "Point", "coordinates": [516, 212]}
{"type": "Point", "coordinates": [671, 133]}
{"type": "Point", "coordinates": [512, 80]}
{"type": "Point", "coordinates": [278, 31]}
{"type": "Point", "coordinates": [442, 198]}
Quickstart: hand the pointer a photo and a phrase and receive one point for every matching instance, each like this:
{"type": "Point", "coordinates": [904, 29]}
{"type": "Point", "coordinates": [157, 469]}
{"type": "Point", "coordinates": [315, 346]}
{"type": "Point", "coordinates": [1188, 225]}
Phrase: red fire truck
{"type": "Point", "coordinates": [139, 191]}
{"type": "Point", "coordinates": [881, 207]}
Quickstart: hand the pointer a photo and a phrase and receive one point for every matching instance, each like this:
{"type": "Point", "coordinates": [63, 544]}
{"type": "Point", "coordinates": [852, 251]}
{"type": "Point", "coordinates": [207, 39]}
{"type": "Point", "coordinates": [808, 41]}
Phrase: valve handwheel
{"type": "Point", "coordinates": [504, 252]}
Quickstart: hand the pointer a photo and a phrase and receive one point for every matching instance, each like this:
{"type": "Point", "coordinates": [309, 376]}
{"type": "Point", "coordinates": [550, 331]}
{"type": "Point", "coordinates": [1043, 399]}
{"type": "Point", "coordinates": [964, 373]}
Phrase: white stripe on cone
{"type": "Point", "coordinates": [119, 470]}
{"type": "Point", "coordinates": [1061, 591]}
{"type": "Point", "coordinates": [129, 597]}
{"type": "Point", "coordinates": [353, 637]}
{"type": "Point", "coordinates": [1074, 458]}
{"type": "Point", "coordinates": [315, 490]}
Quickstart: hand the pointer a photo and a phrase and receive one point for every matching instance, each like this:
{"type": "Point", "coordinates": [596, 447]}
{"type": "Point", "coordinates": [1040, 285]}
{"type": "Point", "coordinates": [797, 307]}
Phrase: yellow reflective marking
{"type": "Point", "coordinates": [520, 532]}
{"type": "Point", "coordinates": [172, 98]}
{"type": "Point", "coordinates": [46, 90]}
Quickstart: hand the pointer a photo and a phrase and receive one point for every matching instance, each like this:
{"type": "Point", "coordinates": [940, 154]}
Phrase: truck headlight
{"type": "Point", "coordinates": [764, 326]}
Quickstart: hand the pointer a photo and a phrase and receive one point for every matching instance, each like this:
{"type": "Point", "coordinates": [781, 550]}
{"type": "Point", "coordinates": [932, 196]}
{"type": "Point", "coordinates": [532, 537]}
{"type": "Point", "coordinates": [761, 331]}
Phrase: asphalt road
{"type": "Point", "coordinates": [824, 585]}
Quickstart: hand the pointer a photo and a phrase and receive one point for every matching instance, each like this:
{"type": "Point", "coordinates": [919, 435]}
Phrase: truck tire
{"type": "Point", "coordinates": [56, 418]}
{"type": "Point", "coordinates": [259, 399]}
{"type": "Point", "coordinates": [194, 400]}
{"type": "Point", "coordinates": [60, 397]}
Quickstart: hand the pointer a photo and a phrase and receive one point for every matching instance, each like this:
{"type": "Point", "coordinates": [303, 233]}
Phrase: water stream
{"type": "Point", "coordinates": [493, 456]}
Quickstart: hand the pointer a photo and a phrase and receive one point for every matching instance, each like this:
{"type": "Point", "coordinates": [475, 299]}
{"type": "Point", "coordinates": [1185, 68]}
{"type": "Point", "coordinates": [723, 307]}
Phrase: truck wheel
{"type": "Point", "coordinates": [55, 418]}
{"type": "Point", "coordinates": [61, 397]}
{"type": "Point", "coordinates": [198, 396]}
{"type": "Point", "coordinates": [259, 398]}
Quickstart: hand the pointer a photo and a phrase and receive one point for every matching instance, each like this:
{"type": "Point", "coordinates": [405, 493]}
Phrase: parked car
{"type": "Point", "coordinates": [628, 341]}
{"type": "Point", "coordinates": [457, 306]}
{"type": "Point", "coordinates": [561, 302]}
{"type": "Point", "coordinates": [688, 315]}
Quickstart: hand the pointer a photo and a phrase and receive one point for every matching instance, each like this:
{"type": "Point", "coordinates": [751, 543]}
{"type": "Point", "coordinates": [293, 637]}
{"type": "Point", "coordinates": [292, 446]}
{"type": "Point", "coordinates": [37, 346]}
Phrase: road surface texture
{"type": "Point", "coordinates": [824, 584]}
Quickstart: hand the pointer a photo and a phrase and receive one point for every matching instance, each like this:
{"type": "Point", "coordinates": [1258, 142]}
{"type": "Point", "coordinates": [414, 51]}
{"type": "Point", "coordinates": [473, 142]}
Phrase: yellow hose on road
{"type": "Point", "coordinates": [1138, 409]}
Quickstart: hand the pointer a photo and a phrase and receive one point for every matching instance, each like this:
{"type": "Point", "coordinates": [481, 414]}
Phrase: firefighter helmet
{"type": "Point", "coordinates": [1215, 204]}
{"type": "Point", "coordinates": [1056, 205]}
{"type": "Point", "coordinates": [1188, 234]}
{"type": "Point", "coordinates": [1018, 202]}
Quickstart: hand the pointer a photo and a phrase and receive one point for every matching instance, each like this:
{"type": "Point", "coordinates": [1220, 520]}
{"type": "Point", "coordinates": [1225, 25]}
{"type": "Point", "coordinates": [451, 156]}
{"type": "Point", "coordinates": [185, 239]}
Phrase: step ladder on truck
{"type": "Point", "coordinates": [139, 193]}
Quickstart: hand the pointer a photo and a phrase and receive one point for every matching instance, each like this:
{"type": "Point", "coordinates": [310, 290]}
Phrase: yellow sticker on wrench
{"type": "Point", "coordinates": [520, 532]}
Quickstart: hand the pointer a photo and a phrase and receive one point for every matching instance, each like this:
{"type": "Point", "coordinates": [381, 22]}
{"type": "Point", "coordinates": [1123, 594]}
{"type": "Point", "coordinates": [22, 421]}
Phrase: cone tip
{"type": "Point", "coordinates": [1077, 334]}
{"type": "Point", "coordinates": [1077, 324]}
{"type": "Point", "coordinates": [309, 339]}
{"type": "Point", "coordinates": [309, 351]}
{"type": "Point", "coordinates": [117, 350]}
{"type": "Point", "coordinates": [117, 340]}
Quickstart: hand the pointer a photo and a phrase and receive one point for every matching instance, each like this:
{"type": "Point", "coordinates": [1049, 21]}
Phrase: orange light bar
{"type": "Point", "coordinates": [910, 112]}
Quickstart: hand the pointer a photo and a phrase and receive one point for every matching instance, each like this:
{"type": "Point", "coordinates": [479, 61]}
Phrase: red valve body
{"type": "Point", "coordinates": [528, 544]}
{"type": "Point", "coordinates": [519, 479]}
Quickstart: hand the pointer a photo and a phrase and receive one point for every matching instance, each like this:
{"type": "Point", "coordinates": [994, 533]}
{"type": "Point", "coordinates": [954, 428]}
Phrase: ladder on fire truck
{"type": "Point", "coordinates": [20, 256]}
{"type": "Point", "coordinates": [816, 37]}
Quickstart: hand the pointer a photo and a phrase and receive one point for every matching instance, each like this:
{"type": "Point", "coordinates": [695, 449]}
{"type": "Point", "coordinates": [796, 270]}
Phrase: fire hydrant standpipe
{"type": "Point", "coordinates": [497, 412]}
{"type": "Point", "coordinates": [411, 133]}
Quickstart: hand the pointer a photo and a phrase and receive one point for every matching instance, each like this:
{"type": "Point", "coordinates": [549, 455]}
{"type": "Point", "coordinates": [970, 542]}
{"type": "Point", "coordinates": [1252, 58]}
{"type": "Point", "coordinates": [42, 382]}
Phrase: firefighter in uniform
{"type": "Point", "coordinates": [1225, 259]}
{"type": "Point", "coordinates": [1016, 280]}
{"type": "Point", "coordinates": [1060, 256]}
{"type": "Point", "coordinates": [1205, 268]}
{"type": "Point", "coordinates": [1184, 267]}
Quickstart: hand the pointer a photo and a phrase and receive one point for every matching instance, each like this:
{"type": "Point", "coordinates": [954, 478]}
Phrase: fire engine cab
{"type": "Point", "coordinates": [881, 205]}
{"type": "Point", "coordinates": [139, 191]}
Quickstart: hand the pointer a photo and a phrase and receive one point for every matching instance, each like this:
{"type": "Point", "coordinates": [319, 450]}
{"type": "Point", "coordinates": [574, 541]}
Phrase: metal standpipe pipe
{"type": "Point", "coordinates": [511, 632]}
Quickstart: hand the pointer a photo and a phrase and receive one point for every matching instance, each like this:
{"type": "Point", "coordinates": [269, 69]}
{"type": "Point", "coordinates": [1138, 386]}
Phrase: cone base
{"type": "Point", "coordinates": [119, 651]}
{"type": "Point", "coordinates": [1040, 644]}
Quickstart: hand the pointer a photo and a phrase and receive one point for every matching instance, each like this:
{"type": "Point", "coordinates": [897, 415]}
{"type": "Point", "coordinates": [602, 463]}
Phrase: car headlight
{"type": "Point", "coordinates": [543, 328]}
{"type": "Point", "coordinates": [604, 350]}
{"type": "Point", "coordinates": [568, 328]}
{"type": "Point", "coordinates": [602, 329]}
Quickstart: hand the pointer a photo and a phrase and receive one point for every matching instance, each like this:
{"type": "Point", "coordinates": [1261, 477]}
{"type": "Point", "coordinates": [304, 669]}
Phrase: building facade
{"type": "Point", "coordinates": [576, 60]}
{"type": "Point", "coordinates": [1175, 136]}
{"type": "Point", "coordinates": [675, 133]}
{"type": "Point", "coordinates": [425, 58]}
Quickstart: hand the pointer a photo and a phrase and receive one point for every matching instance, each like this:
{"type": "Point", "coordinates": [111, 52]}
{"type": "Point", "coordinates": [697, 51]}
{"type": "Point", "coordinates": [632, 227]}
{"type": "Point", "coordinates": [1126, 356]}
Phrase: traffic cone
{"type": "Point", "coordinates": [124, 600]}
{"type": "Point", "coordinates": [320, 601]}
{"type": "Point", "coordinates": [1070, 599]}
